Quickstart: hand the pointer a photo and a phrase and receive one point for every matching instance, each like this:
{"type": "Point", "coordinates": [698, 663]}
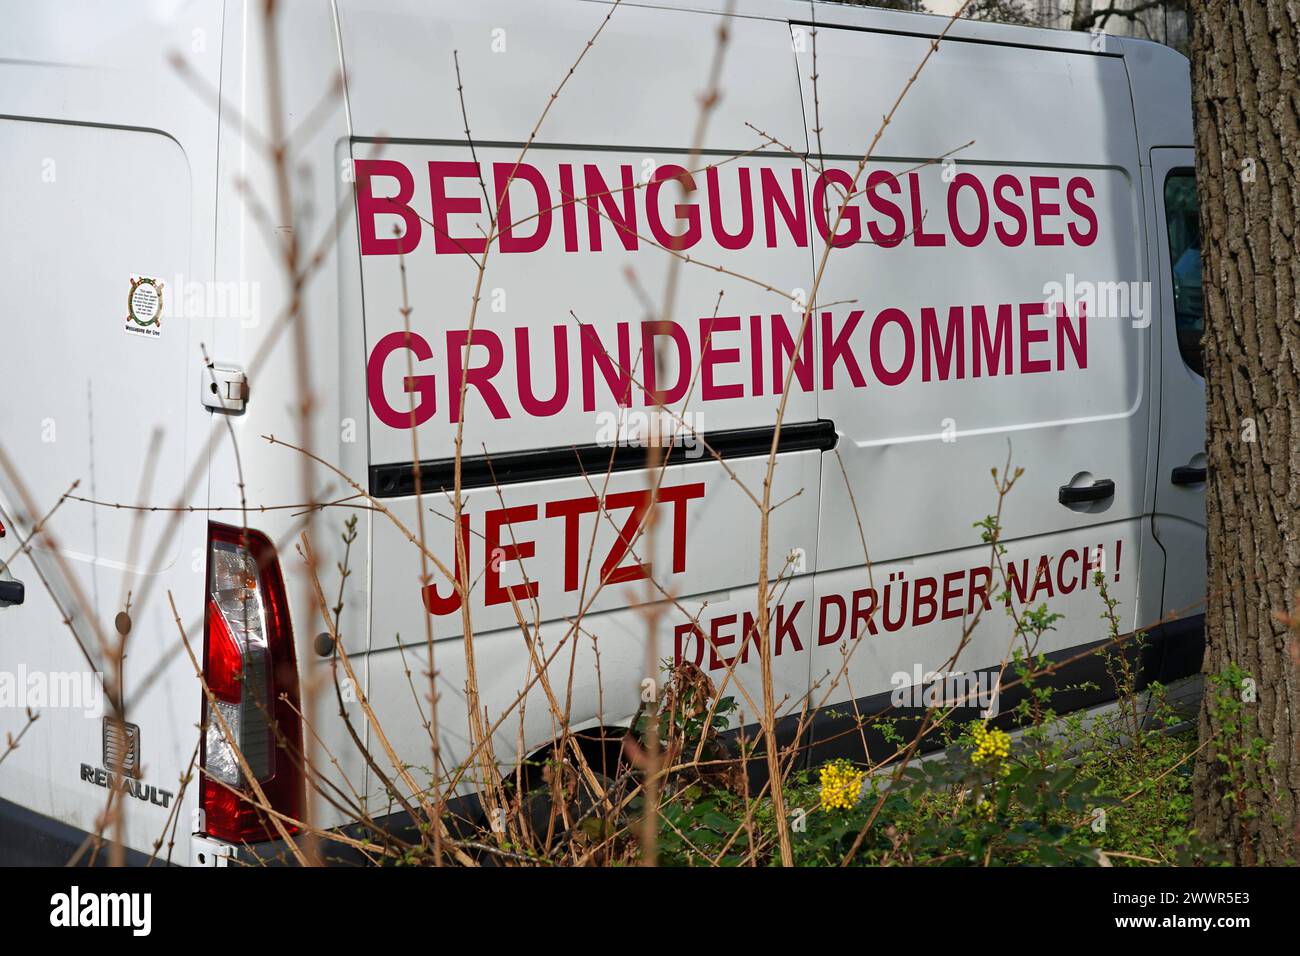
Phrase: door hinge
{"type": "Point", "coordinates": [224, 388]}
{"type": "Point", "coordinates": [204, 851]}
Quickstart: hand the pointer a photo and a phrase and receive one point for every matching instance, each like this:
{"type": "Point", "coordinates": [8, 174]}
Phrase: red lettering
{"type": "Point", "coordinates": [1080, 184]}
{"type": "Point", "coordinates": [725, 239]}
{"type": "Point", "coordinates": [711, 356]}
{"type": "Point", "coordinates": [1000, 343]}
{"type": "Point", "coordinates": [496, 553]}
{"type": "Point", "coordinates": [369, 206]}
{"type": "Point", "coordinates": [824, 634]}
{"type": "Point", "coordinates": [952, 348]}
{"type": "Point", "coordinates": [1000, 185]}
{"type": "Point", "coordinates": [793, 210]}
{"type": "Point", "coordinates": [919, 236]}
{"type": "Point", "coordinates": [611, 571]}
{"type": "Point", "coordinates": [572, 510]}
{"type": "Point", "coordinates": [885, 207]}
{"type": "Point", "coordinates": [592, 353]}
{"type": "Point", "coordinates": [688, 630]}
{"type": "Point", "coordinates": [717, 639]}
{"type": "Point", "coordinates": [1043, 210]}
{"type": "Point", "coordinates": [1065, 331]}
{"type": "Point", "coordinates": [899, 375]}
{"type": "Point", "coordinates": [599, 195]}
{"type": "Point", "coordinates": [678, 496]}
{"type": "Point", "coordinates": [422, 385]}
{"type": "Point", "coordinates": [783, 343]}
{"type": "Point", "coordinates": [443, 206]}
{"type": "Point", "coordinates": [785, 627]}
{"type": "Point", "coordinates": [480, 379]}
{"type": "Point", "coordinates": [1030, 336]}
{"type": "Point", "coordinates": [649, 330]}
{"type": "Point", "coordinates": [685, 212]}
{"type": "Point", "coordinates": [866, 616]}
{"type": "Point", "coordinates": [836, 347]}
{"type": "Point", "coordinates": [971, 181]}
{"type": "Point", "coordinates": [502, 175]}
{"type": "Point", "coordinates": [435, 603]}
{"type": "Point", "coordinates": [847, 213]}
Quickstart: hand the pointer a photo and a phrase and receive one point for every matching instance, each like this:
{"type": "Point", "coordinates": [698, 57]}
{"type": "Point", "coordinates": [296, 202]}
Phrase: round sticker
{"type": "Point", "coordinates": [144, 302]}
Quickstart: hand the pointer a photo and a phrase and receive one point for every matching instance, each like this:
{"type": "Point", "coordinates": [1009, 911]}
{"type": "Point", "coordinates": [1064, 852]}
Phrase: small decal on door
{"type": "Point", "coordinates": [144, 306]}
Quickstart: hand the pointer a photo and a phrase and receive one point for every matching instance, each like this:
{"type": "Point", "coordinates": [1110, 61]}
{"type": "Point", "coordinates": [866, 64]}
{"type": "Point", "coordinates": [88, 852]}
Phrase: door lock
{"type": "Point", "coordinates": [224, 388]}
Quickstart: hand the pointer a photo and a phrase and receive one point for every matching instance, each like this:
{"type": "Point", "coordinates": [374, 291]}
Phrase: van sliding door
{"type": "Point", "coordinates": [635, 292]}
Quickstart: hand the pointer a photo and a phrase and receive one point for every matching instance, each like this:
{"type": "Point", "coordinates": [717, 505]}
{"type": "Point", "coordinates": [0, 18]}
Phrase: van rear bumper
{"type": "Point", "coordinates": [29, 839]}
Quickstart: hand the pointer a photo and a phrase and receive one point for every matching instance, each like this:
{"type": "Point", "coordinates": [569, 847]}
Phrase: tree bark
{"type": "Point", "coordinates": [1246, 100]}
{"type": "Point", "coordinates": [1081, 17]}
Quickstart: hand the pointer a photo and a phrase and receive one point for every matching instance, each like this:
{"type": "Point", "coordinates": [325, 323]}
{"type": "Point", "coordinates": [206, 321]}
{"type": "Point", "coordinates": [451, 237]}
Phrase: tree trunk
{"type": "Point", "coordinates": [1081, 16]}
{"type": "Point", "coordinates": [1246, 99]}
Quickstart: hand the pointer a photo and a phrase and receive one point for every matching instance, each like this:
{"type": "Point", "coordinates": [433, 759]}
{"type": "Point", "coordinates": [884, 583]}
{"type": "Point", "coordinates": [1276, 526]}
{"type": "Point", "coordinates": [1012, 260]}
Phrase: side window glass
{"type": "Point", "coordinates": [1182, 217]}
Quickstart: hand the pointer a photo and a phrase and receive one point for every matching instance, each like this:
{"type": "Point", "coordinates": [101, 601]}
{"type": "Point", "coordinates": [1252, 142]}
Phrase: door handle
{"type": "Point", "coordinates": [11, 592]}
{"type": "Point", "coordinates": [1188, 475]}
{"type": "Point", "coordinates": [1099, 490]}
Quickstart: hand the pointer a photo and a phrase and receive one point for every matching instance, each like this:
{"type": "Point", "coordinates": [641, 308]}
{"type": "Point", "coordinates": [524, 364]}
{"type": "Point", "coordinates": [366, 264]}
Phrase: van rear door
{"type": "Point", "coordinates": [105, 350]}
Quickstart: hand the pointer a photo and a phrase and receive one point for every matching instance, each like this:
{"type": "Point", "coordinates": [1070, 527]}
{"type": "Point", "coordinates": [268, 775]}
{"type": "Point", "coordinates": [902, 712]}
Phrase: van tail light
{"type": "Point", "coordinates": [250, 667]}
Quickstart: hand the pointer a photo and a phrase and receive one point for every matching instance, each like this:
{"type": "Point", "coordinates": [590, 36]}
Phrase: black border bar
{"type": "Point", "coordinates": [397, 480]}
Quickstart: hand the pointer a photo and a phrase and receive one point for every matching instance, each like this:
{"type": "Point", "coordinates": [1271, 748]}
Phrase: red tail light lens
{"type": "Point", "coordinates": [250, 667]}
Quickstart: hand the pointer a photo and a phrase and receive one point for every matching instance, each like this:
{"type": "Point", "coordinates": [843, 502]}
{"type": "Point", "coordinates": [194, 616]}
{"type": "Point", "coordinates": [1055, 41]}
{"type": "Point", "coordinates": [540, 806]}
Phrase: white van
{"type": "Point", "coordinates": [1016, 276]}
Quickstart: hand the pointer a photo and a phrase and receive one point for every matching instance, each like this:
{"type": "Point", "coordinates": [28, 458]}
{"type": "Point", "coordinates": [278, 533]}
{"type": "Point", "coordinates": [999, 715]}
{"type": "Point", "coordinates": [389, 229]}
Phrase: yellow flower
{"type": "Point", "coordinates": [991, 746]}
{"type": "Point", "coordinates": [841, 785]}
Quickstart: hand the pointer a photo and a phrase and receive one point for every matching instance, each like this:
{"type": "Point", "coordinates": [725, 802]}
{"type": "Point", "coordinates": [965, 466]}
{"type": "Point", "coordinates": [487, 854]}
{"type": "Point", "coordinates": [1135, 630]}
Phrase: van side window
{"type": "Point", "coordinates": [1182, 217]}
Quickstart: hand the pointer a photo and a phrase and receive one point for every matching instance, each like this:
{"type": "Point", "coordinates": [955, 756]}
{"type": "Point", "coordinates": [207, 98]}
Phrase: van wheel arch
{"type": "Point", "coordinates": [601, 745]}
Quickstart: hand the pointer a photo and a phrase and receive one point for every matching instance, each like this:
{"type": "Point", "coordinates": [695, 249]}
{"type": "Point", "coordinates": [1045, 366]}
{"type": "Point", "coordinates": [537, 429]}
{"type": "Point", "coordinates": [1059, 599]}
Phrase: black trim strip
{"type": "Point", "coordinates": [571, 461]}
{"type": "Point", "coordinates": [1046, 46]}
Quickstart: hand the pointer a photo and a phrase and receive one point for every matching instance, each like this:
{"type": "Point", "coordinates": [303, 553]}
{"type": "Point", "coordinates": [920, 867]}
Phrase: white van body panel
{"type": "Point", "coordinates": [109, 173]}
{"type": "Point", "coordinates": [891, 436]}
